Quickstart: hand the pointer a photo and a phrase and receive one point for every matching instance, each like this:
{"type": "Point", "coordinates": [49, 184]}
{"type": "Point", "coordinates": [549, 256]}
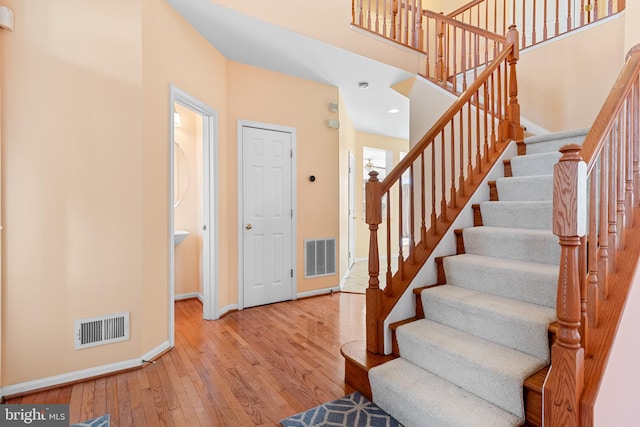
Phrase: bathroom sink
{"type": "Point", "coordinates": [179, 236]}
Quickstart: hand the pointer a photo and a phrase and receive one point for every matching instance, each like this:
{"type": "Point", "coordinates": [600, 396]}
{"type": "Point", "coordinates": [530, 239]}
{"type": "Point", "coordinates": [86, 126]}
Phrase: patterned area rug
{"type": "Point", "coordinates": [102, 421]}
{"type": "Point", "coordinates": [353, 410]}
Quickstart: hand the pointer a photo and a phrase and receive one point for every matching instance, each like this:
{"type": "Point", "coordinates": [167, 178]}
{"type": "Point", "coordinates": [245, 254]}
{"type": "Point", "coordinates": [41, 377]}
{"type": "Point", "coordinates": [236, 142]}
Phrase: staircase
{"type": "Point", "coordinates": [486, 328]}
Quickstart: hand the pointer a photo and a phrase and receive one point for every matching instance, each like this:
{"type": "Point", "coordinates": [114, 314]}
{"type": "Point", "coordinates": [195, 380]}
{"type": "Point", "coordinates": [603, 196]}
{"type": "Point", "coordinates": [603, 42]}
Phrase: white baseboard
{"type": "Point", "coordinates": [188, 296]}
{"type": "Point", "coordinates": [227, 309]}
{"type": "Point", "coordinates": [83, 374]}
{"type": "Point", "coordinates": [318, 292]}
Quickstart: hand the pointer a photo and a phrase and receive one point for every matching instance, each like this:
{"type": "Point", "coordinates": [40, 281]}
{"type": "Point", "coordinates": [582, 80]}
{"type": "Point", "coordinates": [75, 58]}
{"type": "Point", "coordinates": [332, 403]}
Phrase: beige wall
{"type": "Point", "coordinates": [268, 97]}
{"type": "Point", "coordinates": [188, 192]}
{"type": "Point", "coordinates": [72, 194]}
{"type": "Point", "coordinates": [563, 84]}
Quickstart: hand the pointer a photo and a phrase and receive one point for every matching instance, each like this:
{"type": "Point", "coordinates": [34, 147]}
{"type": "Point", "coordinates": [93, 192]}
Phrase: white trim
{"type": "Point", "coordinates": [294, 227]}
{"type": "Point", "coordinates": [227, 309]}
{"type": "Point", "coordinates": [180, 297]}
{"type": "Point", "coordinates": [210, 251]}
{"type": "Point", "coordinates": [318, 292]}
{"type": "Point", "coordinates": [83, 374]}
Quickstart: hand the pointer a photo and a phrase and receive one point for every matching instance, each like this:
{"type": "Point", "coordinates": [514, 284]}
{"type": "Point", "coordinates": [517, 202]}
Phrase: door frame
{"type": "Point", "coordinates": [278, 128]}
{"type": "Point", "coordinates": [210, 205]}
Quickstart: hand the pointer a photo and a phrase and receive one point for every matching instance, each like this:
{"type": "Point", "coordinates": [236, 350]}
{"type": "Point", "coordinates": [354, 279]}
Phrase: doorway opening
{"type": "Point", "coordinates": [193, 203]}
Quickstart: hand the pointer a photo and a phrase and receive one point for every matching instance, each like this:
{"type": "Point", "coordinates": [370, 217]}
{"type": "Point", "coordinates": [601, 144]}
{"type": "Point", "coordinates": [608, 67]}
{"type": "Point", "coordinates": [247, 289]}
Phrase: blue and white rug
{"type": "Point", "coordinates": [102, 421]}
{"type": "Point", "coordinates": [353, 410]}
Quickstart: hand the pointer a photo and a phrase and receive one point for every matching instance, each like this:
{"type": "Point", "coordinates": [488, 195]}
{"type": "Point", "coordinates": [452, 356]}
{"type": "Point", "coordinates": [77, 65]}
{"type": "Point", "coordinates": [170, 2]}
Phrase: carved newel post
{"type": "Point", "coordinates": [563, 388]}
{"type": "Point", "coordinates": [375, 339]}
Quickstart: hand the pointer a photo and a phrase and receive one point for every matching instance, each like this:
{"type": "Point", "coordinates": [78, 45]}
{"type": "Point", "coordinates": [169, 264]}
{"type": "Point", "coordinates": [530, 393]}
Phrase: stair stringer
{"type": "Point", "coordinates": [406, 305]}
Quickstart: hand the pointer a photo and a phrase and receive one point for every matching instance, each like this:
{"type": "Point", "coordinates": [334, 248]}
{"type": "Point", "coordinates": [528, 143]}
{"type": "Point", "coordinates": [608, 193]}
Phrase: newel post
{"type": "Point", "coordinates": [375, 339]}
{"type": "Point", "coordinates": [515, 131]}
{"type": "Point", "coordinates": [563, 387]}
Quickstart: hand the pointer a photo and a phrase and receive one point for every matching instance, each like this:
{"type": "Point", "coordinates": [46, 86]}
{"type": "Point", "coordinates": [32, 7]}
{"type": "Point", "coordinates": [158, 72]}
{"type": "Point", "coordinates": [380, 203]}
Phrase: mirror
{"type": "Point", "coordinates": [180, 174]}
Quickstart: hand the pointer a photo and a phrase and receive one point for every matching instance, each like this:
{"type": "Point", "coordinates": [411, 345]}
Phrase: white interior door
{"type": "Point", "coordinates": [352, 210]}
{"type": "Point", "coordinates": [267, 216]}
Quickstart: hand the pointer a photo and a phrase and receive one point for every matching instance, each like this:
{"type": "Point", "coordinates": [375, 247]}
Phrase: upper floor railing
{"type": "Point", "coordinates": [454, 51]}
{"type": "Point", "coordinates": [428, 188]}
{"type": "Point", "coordinates": [596, 186]}
{"type": "Point", "coordinates": [457, 45]}
{"type": "Point", "coordinates": [538, 20]}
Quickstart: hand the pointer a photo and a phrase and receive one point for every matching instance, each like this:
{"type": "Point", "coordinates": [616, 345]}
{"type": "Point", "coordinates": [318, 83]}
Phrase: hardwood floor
{"type": "Point", "coordinates": [250, 368]}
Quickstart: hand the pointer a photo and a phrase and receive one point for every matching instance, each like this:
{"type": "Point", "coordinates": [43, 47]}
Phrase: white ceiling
{"type": "Point", "coordinates": [247, 40]}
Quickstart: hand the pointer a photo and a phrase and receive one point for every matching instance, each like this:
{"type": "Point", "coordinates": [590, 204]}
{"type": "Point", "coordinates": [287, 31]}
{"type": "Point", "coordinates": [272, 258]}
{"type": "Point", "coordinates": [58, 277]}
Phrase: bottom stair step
{"type": "Point", "coordinates": [416, 397]}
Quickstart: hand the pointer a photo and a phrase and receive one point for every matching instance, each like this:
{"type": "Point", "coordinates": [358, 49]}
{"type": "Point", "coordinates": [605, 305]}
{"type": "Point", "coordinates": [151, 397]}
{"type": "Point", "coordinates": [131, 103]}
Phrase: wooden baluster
{"type": "Point", "coordinates": [412, 219]}
{"type": "Point", "coordinates": [590, 296]}
{"type": "Point", "coordinates": [628, 164]}
{"type": "Point", "coordinates": [524, 24]}
{"type": "Point", "coordinates": [434, 230]}
{"type": "Point", "coordinates": [620, 170]}
{"type": "Point", "coordinates": [369, 16]}
{"type": "Point", "coordinates": [596, 10]}
{"type": "Point", "coordinates": [440, 51]}
{"type": "Point", "coordinates": [478, 137]}
{"type": "Point", "coordinates": [463, 64]}
{"type": "Point", "coordinates": [635, 143]}
{"type": "Point", "coordinates": [400, 223]}
{"type": "Point", "coordinates": [533, 30]}
{"type": "Point", "coordinates": [557, 17]}
{"type": "Point", "coordinates": [492, 103]}
{"type": "Point", "coordinates": [569, 22]}
{"type": "Point", "coordinates": [452, 151]}
{"type": "Point", "coordinates": [513, 19]}
{"type": "Point", "coordinates": [584, 311]}
{"type": "Point", "coordinates": [513, 112]}
{"type": "Point", "coordinates": [377, 17]}
{"type": "Point", "coordinates": [423, 205]}
{"type": "Point", "coordinates": [420, 31]}
{"type": "Point", "coordinates": [485, 111]}
{"type": "Point", "coordinates": [384, 18]}
{"type": "Point", "coordinates": [455, 60]}
{"type": "Point", "coordinates": [443, 178]}
{"type": "Point", "coordinates": [388, 290]}
{"type": "Point", "coordinates": [545, 28]}
{"type": "Point", "coordinates": [406, 21]}
{"type": "Point", "coordinates": [470, 174]}
{"type": "Point", "coordinates": [428, 48]}
{"type": "Point", "coordinates": [394, 20]}
{"type": "Point", "coordinates": [461, 172]}
{"type": "Point", "coordinates": [375, 338]}
{"type": "Point", "coordinates": [582, 13]}
{"type": "Point", "coordinates": [504, 17]}
{"type": "Point", "coordinates": [353, 12]}
{"type": "Point", "coordinates": [611, 206]}
{"type": "Point", "coordinates": [564, 384]}
{"type": "Point", "coordinates": [499, 103]}
{"type": "Point", "coordinates": [603, 228]}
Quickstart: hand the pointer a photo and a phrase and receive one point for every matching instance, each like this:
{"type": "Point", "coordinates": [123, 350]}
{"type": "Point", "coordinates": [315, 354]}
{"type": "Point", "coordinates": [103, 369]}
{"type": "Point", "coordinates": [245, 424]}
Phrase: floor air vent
{"type": "Point", "coordinates": [101, 330]}
{"type": "Point", "coordinates": [319, 257]}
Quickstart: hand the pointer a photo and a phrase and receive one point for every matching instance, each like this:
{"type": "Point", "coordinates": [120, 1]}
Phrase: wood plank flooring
{"type": "Point", "coordinates": [250, 368]}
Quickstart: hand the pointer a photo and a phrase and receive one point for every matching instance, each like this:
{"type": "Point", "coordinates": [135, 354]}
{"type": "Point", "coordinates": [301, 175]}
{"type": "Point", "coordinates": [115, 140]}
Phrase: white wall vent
{"type": "Point", "coordinates": [100, 330]}
{"type": "Point", "coordinates": [319, 257]}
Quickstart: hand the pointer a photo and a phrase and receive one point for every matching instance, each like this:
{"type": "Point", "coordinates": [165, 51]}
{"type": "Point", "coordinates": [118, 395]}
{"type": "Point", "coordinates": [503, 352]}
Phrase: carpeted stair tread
{"type": "Point", "coordinates": [534, 164]}
{"type": "Point", "coordinates": [518, 214]}
{"type": "Point", "coordinates": [417, 397]}
{"type": "Point", "coordinates": [525, 281]}
{"type": "Point", "coordinates": [488, 370]}
{"type": "Point", "coordinates": [520, 244]}
{"type": "Point", "coordinates": [521, 188]}
{"type": "Point", "coordinates": [553, 141]}
{"type": "Point", "coordinates": [515, 324]}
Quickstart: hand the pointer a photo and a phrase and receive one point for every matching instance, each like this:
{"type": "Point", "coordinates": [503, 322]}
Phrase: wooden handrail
{"type": "Point", "coordinates": [446, 117]}
{"type": "Point", "coordinates": [441, 170]}
{"type": "Point", "coordinates": [596, 187]}
{"type": "Point", "coordinates": [464, 26]}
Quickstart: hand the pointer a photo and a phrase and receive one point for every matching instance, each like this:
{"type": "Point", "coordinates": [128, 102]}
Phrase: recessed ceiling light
{"type": "Point", "coordinates": [393, 111]}
{"type": "Point", "coordinates": [363, 85]}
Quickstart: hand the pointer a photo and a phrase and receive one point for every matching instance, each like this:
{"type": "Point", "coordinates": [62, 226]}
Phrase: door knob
{"type": "Point", "coordinates": [248, 226]}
